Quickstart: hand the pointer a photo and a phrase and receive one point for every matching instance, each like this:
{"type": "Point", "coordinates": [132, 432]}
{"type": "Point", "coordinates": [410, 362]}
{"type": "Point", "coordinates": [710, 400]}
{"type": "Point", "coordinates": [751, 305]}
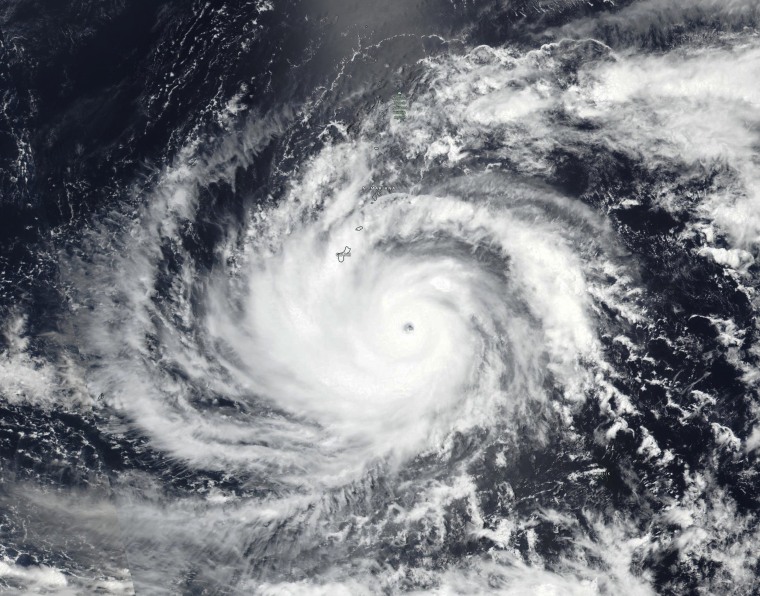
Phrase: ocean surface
{"type": "Point", "coordinates": [415, 297]}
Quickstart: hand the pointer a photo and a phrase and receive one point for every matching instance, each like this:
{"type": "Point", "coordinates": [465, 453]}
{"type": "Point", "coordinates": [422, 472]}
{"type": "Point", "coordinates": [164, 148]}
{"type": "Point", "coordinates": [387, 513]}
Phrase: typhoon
{"type": "Point", "coordinates": [441, 299]}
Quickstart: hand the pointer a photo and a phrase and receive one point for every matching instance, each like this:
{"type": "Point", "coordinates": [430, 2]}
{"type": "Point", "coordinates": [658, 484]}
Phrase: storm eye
{"type": "Point", "coordinates": [408, 328]}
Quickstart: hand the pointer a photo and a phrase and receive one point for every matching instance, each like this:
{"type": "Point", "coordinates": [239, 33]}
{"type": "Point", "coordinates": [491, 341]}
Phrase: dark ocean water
{"type": "Point", "coordinates": [536, 373]}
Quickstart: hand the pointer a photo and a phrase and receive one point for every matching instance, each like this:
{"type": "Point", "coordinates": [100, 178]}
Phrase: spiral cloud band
{"type": "Point", "coordinates": [463, 313]}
